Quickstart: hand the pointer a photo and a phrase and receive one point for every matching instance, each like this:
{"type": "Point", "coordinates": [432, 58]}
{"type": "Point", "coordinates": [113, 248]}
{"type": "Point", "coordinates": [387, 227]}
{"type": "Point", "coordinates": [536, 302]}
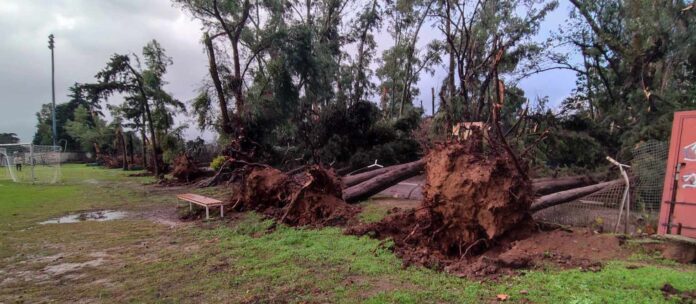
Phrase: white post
{"type": "Point", "coordinates": [31, 161]}
{"type": "Point", "coordinates": [626, 196]}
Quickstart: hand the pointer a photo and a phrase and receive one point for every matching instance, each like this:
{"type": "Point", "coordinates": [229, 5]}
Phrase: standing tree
{"type": "Point", "coordinates": [145, 94]}
{"type": "Point", "coordinates": [637, 66]}
{"type": "Point", "coordinates": [486, 38]}
{"type": "Point", "coordinates": [8, 138]}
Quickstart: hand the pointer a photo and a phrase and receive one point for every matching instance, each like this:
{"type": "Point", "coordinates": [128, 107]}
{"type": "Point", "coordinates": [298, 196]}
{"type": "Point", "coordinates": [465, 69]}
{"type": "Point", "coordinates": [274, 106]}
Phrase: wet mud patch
{"type": "Point", "coordinates": [98, 216]}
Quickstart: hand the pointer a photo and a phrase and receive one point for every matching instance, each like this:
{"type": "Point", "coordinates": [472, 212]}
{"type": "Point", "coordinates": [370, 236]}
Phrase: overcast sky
{"type": "Point", "coordinates": [87, 32]}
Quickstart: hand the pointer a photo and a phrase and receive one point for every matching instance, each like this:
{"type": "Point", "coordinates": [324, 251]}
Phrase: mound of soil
{"type": "Point", "coordinates": [476, 200]}
{"type": "Point", "coordinates": [111, 162]}
{"type": "Point", "coordinates": [471, 195]}
{"type": "Point", "coordinates": [310, 198]}
{"type": "Point", "coordinates": [185, 169]}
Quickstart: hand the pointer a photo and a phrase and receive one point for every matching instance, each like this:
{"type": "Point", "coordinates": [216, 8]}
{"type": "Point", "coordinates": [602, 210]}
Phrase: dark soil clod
{"type": "Point", "coordinates": [310, 198]}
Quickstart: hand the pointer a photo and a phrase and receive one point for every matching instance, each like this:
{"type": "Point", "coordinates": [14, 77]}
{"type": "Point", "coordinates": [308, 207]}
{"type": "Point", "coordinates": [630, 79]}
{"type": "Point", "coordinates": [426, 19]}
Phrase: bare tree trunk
{"type": "Point", "coordinates": [373, 186]}
{"type": "Point", "coordinates": [569, 195]}
{"type": "Point", "coordinates": [130, 148]}
{"type": "Point", "coordinates": [353, 180]}
{"type": "Point", "coordinates": [547, 186]}
{"type": "Point", "coordinates": [124, 152]}
{"type": "Point", "coordinates": [153, 140]}
{"type": "Point", "coordinates": [144, 147]}
{"type": "Point", "coordinates": [222, 102]}
{"type": "Point", "coordinates": [358, 92]}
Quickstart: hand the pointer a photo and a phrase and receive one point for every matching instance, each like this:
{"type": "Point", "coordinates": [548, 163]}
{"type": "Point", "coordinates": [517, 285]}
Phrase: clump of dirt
{"type": "Point", "coordinates": [109, 161]}
{"type": "Point", "coordinates": [669, 292]}
{"type": "Point", "coordinates": [473, 195]}
{"type": "Point", "coordinates": [310, 198]}
{"type": "Point", "coordinates": [185, 169]}
{"type": "Point", "coordinates": [474, 220]}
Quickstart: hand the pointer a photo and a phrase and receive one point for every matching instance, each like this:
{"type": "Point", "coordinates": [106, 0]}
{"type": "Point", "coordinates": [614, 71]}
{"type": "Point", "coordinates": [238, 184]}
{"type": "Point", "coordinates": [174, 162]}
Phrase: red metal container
{"type": "Point", "coordinates": [678, 208]}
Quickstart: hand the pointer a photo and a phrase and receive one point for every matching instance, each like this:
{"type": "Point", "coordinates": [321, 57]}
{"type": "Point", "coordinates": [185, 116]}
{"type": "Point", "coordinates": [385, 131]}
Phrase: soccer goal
{"type": "Point", "coordinates": [29, 163]}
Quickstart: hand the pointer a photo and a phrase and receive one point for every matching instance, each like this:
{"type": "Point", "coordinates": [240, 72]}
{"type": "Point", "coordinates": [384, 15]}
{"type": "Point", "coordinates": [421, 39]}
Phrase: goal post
{"type": "Point", "coordinates": [29, 163]}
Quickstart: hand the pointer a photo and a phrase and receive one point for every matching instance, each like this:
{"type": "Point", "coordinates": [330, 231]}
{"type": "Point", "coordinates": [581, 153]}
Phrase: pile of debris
{"type": "Point", "coordinates": [474, 196]}
{"type": "Point", "coordinates": [185, 169]}
{"type": "Point", "coordinates": [475, 219]}
{"type": "Point", "coordinates": [311, 197]}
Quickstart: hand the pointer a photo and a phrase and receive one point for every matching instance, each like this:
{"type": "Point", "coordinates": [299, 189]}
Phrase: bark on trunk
{"type": "Point", "coordinates": [543, 187]}
{"type": "Point", "coordinates": [569, 195]}
{"type": "Point", "coordinates": [353, 180]}
{"type": "Point", "coordinates": [144, 146]}
{"type": "Point", "coordinates": [130, 148]}
{"type": "Point", "coordinates": [124, 152]}
{"type": "Point", "coordinates": [373, 186]}
{"type": "Point", "coordinates": [222, 102]}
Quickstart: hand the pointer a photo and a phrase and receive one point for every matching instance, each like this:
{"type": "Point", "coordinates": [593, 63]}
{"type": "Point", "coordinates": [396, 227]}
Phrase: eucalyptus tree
{"type": "Point", "coordinates": [145, 95]}
{"type": "Point", "coordinates": [486, 40]}
{"type": "Point", "coordinates": [228, 20]}
{"type": "Point", "coordinates": [401, 65]}
{"type": "Point", "coordinates": [636, 68]}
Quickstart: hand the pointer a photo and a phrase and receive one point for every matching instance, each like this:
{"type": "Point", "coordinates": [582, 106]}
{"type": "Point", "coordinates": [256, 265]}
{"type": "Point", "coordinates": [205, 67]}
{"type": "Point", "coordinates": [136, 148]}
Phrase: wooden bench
{"type": "Point", "coordinates": [203, 201]}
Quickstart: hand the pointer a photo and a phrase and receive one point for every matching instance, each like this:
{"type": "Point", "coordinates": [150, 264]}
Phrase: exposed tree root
{"type": "Point", "coordinates": [309, 198]}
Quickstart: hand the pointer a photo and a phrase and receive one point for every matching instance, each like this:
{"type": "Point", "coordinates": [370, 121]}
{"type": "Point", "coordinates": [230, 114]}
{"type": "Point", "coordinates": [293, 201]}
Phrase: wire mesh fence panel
{"type": "Point", "coordinates": [601, 210]}
{"type": "Point", "coordinates": [648, 168]}
{"type": "Point", "coordinates": [28, 163]}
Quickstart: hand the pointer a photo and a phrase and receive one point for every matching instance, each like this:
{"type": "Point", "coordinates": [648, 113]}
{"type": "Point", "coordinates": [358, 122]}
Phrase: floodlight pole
{"type": "Point", "coordinates": [53, 89]}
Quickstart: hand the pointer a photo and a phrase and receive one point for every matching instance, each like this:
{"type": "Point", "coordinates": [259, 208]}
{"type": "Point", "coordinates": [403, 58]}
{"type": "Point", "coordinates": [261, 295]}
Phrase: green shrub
{"type": "Point", "coordinates": [217, 162]}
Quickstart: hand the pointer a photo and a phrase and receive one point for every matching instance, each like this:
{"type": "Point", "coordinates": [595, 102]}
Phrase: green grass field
{"type": "Point", "coordinates": [142, 259]}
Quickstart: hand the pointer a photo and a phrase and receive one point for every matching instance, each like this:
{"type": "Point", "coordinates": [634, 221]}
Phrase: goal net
{"type": "Point", "coordinates": [29, 163]}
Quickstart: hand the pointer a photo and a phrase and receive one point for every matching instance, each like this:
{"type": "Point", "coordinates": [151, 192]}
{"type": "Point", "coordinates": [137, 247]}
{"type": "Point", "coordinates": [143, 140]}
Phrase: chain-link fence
{"type": "Point", "coordinates": [601, 210]}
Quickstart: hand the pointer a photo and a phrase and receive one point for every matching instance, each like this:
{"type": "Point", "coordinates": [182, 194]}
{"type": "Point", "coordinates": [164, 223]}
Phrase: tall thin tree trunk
{"type": "Point", "coordinates": [144, 146]}
{"type": "Point", "coordinates": [222, 102]}
{"type": "Point", "coordinates": [153, 140]}
{"type": "Point", "coordinates": [432, 94]}
{"type": "Point", "coordinates": [358, 92]}
{"type": "Point", "coordinates": [130, 148]}
{"type": "Point", "coordinates": [124, 152]}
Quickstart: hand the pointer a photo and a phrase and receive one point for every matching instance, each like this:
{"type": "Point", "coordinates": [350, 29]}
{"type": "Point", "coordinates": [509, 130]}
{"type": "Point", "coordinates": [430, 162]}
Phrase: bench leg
{"type": "Point", "coordinates": [222, 214]}
{"type": "Point", "coordinates": [207, 213]}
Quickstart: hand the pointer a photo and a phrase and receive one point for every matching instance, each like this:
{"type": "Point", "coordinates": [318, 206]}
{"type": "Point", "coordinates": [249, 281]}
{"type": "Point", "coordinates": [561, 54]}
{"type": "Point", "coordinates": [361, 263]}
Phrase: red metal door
{"type": "Point", "coordinates": [679, 192]}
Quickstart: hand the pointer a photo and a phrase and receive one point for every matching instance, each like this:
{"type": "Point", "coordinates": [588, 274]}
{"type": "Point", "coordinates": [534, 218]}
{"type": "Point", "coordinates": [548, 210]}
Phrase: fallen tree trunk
{"type": "Point", "coordinates": [381, 182]}
{"type": "Point", "coordinates": [353, 180]}
{"type": "Point", "coordinates": [569, 195]}
{"type": "Point", "coordinates": [544, 185]}
{"type": "Point", "coordinates": [548, 186]}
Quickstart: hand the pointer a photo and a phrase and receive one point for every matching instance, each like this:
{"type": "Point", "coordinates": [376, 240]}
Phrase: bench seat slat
{"type": "Point", "coordinates": [199, 199]}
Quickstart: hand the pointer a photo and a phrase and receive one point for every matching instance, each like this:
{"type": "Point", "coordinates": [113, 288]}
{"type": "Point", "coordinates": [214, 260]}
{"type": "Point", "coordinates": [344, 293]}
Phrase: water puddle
{"type": "Point", "coordinates": [98, 216]}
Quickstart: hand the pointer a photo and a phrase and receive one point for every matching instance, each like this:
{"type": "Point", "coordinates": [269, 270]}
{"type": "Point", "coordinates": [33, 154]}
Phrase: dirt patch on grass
{"type": "Point", "coordinates": [669, 292]}
{"type": "Point", "coordinates": [64, 268]}
{"type": "Point", "coordinates": [371, 286]}
{"type": "Point", "coordinates": [310, 198]}
{"type": "Point", "coordinates": [390, 203]}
